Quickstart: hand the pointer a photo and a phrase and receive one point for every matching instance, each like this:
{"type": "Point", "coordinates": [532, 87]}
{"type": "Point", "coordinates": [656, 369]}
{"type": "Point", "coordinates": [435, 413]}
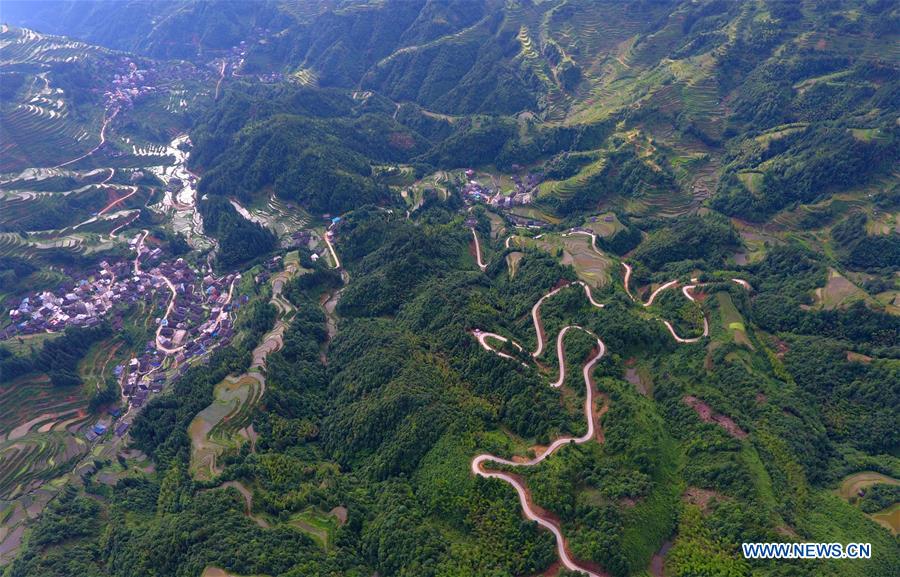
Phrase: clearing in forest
{"type": "Point", "coordinates": [318, 525]}
{"type": "Point", "coordinates": [853, 484]}
{"type": "Point", "coordinates": [889, 518]}
{"type": "Point", "coordinates": [732, 320]}
{"type": "Point", "coordinates": [211, 571]}
{"type": "Point", "coordinates": [838, 292]}
{"type": "Point", "coordinates": [576, 250]}
{"type": "Point", "coordinates": [604, 225]}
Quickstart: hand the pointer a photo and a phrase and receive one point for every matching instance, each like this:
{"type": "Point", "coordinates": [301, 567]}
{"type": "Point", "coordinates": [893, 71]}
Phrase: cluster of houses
{"type": "Point", "coordinates": [298, 239]}
{"type": "Point", "coordinates": [198, 319]}
{"type": "Point", "coordinates": [78, 303]}
{"type": "Point", "coordinates": [131, 84]}
{"type": "Point", "coordinates": [334, 228]}
{"type": "Point", "coordinates": [473, 191]}
{"type": "Point", "coordinates": [135, 377]}
{"type": "Point", "coordinates": [200, 310]}
{"type": "Point", "coordinates": [234, 59]}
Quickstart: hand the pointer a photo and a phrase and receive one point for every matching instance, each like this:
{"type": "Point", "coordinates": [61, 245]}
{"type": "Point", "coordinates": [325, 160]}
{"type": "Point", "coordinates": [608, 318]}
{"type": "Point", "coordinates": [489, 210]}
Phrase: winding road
{"type": "Point", "coordinates": [106, 208]}
{"type": "Point", "coordinates": [536, 317]}
{"type": "Point", "coordinates": [479, 463]}
{"type": "Point", "coordinates": [686, 291]}
{"type": "Point", "coordinates": [169, 309]}
{"type": "Point", "coordinates": [653, 295]}
{"type": "Point", "coordinates": [171, 306]}
{"type": "Point", "coordinates": [592, 416]}
{"type": "Point", "coordinates": [106, 121]}
{"type": "Point", "coordinates": [337, 262]}
{"type": "Point", "coordinates": [219, 82]}
{"type": "Point", "coordinates": [586, 233]}
{"type": "Point", "coordinates": [113, 232]}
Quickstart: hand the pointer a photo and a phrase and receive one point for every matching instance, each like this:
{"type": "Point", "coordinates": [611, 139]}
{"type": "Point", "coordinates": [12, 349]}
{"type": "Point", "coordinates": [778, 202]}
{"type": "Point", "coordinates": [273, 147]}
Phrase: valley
{"type": "Point", "coordinates": [448, 288]}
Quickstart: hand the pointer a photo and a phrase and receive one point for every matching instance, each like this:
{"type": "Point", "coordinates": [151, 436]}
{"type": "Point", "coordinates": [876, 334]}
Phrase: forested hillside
{"type": "Point", "coordinates": [386, 425]}
{"type": "Point", "coordinates": [502, 288]}
{"type": "Point", "coordinates": [762, 105]}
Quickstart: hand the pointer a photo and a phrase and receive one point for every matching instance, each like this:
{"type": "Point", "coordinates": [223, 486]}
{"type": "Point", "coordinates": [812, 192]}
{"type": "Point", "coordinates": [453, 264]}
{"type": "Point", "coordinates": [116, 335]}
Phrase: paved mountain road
{"type": "Point", "coordinates": [592, 414]}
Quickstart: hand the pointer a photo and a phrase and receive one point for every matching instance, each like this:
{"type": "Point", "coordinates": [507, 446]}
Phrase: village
{"type": "Point", "coordinates": [233, 60]}
{"type": "Point", "coordinates": [524, 192]}
{"type": "Point", "coordinates": [196, 318]}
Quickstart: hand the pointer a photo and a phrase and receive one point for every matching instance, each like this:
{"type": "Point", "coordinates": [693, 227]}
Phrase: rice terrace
{"type": "Point", "coordinates": [449, 288]}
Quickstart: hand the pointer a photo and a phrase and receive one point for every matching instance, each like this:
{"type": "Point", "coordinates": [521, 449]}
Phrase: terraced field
{"type": "Point", "coordinates": [225, 424]}
{"type": "Point", "coordinates": [38, 128]}
{"type": "Point", "coordinates": [216, 428]}
{"type": "Point", "coordinates": [566, 189]}
{"type": "Point", "coordinates": [889, 518]}
{"type": "Point", "coordinates": [595, 36]}
{"type": "Point", "coordinates": [38, 138]}
{"type": "Point", "coordinates": [318, 525]}
{"type": "Point", "coordinates": [282, 217]}
{"type": "Point", "coordinates": [535, 213]}
{"type": "Point", "coordinates": [575, 250]}
{"type": "Point", "coordinates": [305, 77]}
{"type": "Point", "coordinates": [15, 515]}
{"type": "Point", "coordinates": [32, 403]}
{"type": "Point", "coordinates": [663, 203]}
{"type": "Point", "coordinates": [34, 180]}
{"type": "Point", "coordinates": [28, 344]}
{"type": "Point", "coordinates": [97, 366]}
{"type": "Point", "coordinates": [586, 28]}
{"type": "Point", "coordinates": [839, 292]}
{"type": "Point", "coordinates": [36, 248]}
{"type": "Point", "coordinates": [703, 104]}
{"type": "Point", "coordinates": [75, 210]}
{"type": "Point", "coordinates": [37, 439]}
{"type": "Point", "coordinates": [837, 205]}
{"type": "Point", "coordinates": [885, 48]}
{"type": "Point", "coordinates": [604, 225]}
{"type": "Point", "coordinates": [853, 484]}
{"type": "Point", "coordinates": [534, 63]}
{"type": "Point", "coordinates": [30, 461]}
{"type": "Point", "coordinates": [23, 45]}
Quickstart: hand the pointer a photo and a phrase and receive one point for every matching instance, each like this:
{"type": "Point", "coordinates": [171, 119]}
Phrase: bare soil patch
{"type": "Point", "coordinates": [707, 415]}
{"type": "Point", "coordinates": [700, 497]}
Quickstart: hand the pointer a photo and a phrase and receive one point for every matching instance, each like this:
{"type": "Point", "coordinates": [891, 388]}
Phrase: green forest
{"type": "Point", "coordinates": [402, 208]}
{"type": "Point", "coordinates": [386, 425]}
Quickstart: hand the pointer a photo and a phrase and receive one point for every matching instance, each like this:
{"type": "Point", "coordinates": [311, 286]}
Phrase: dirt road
{"type": "Point", "coordinates": [106, 121]}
